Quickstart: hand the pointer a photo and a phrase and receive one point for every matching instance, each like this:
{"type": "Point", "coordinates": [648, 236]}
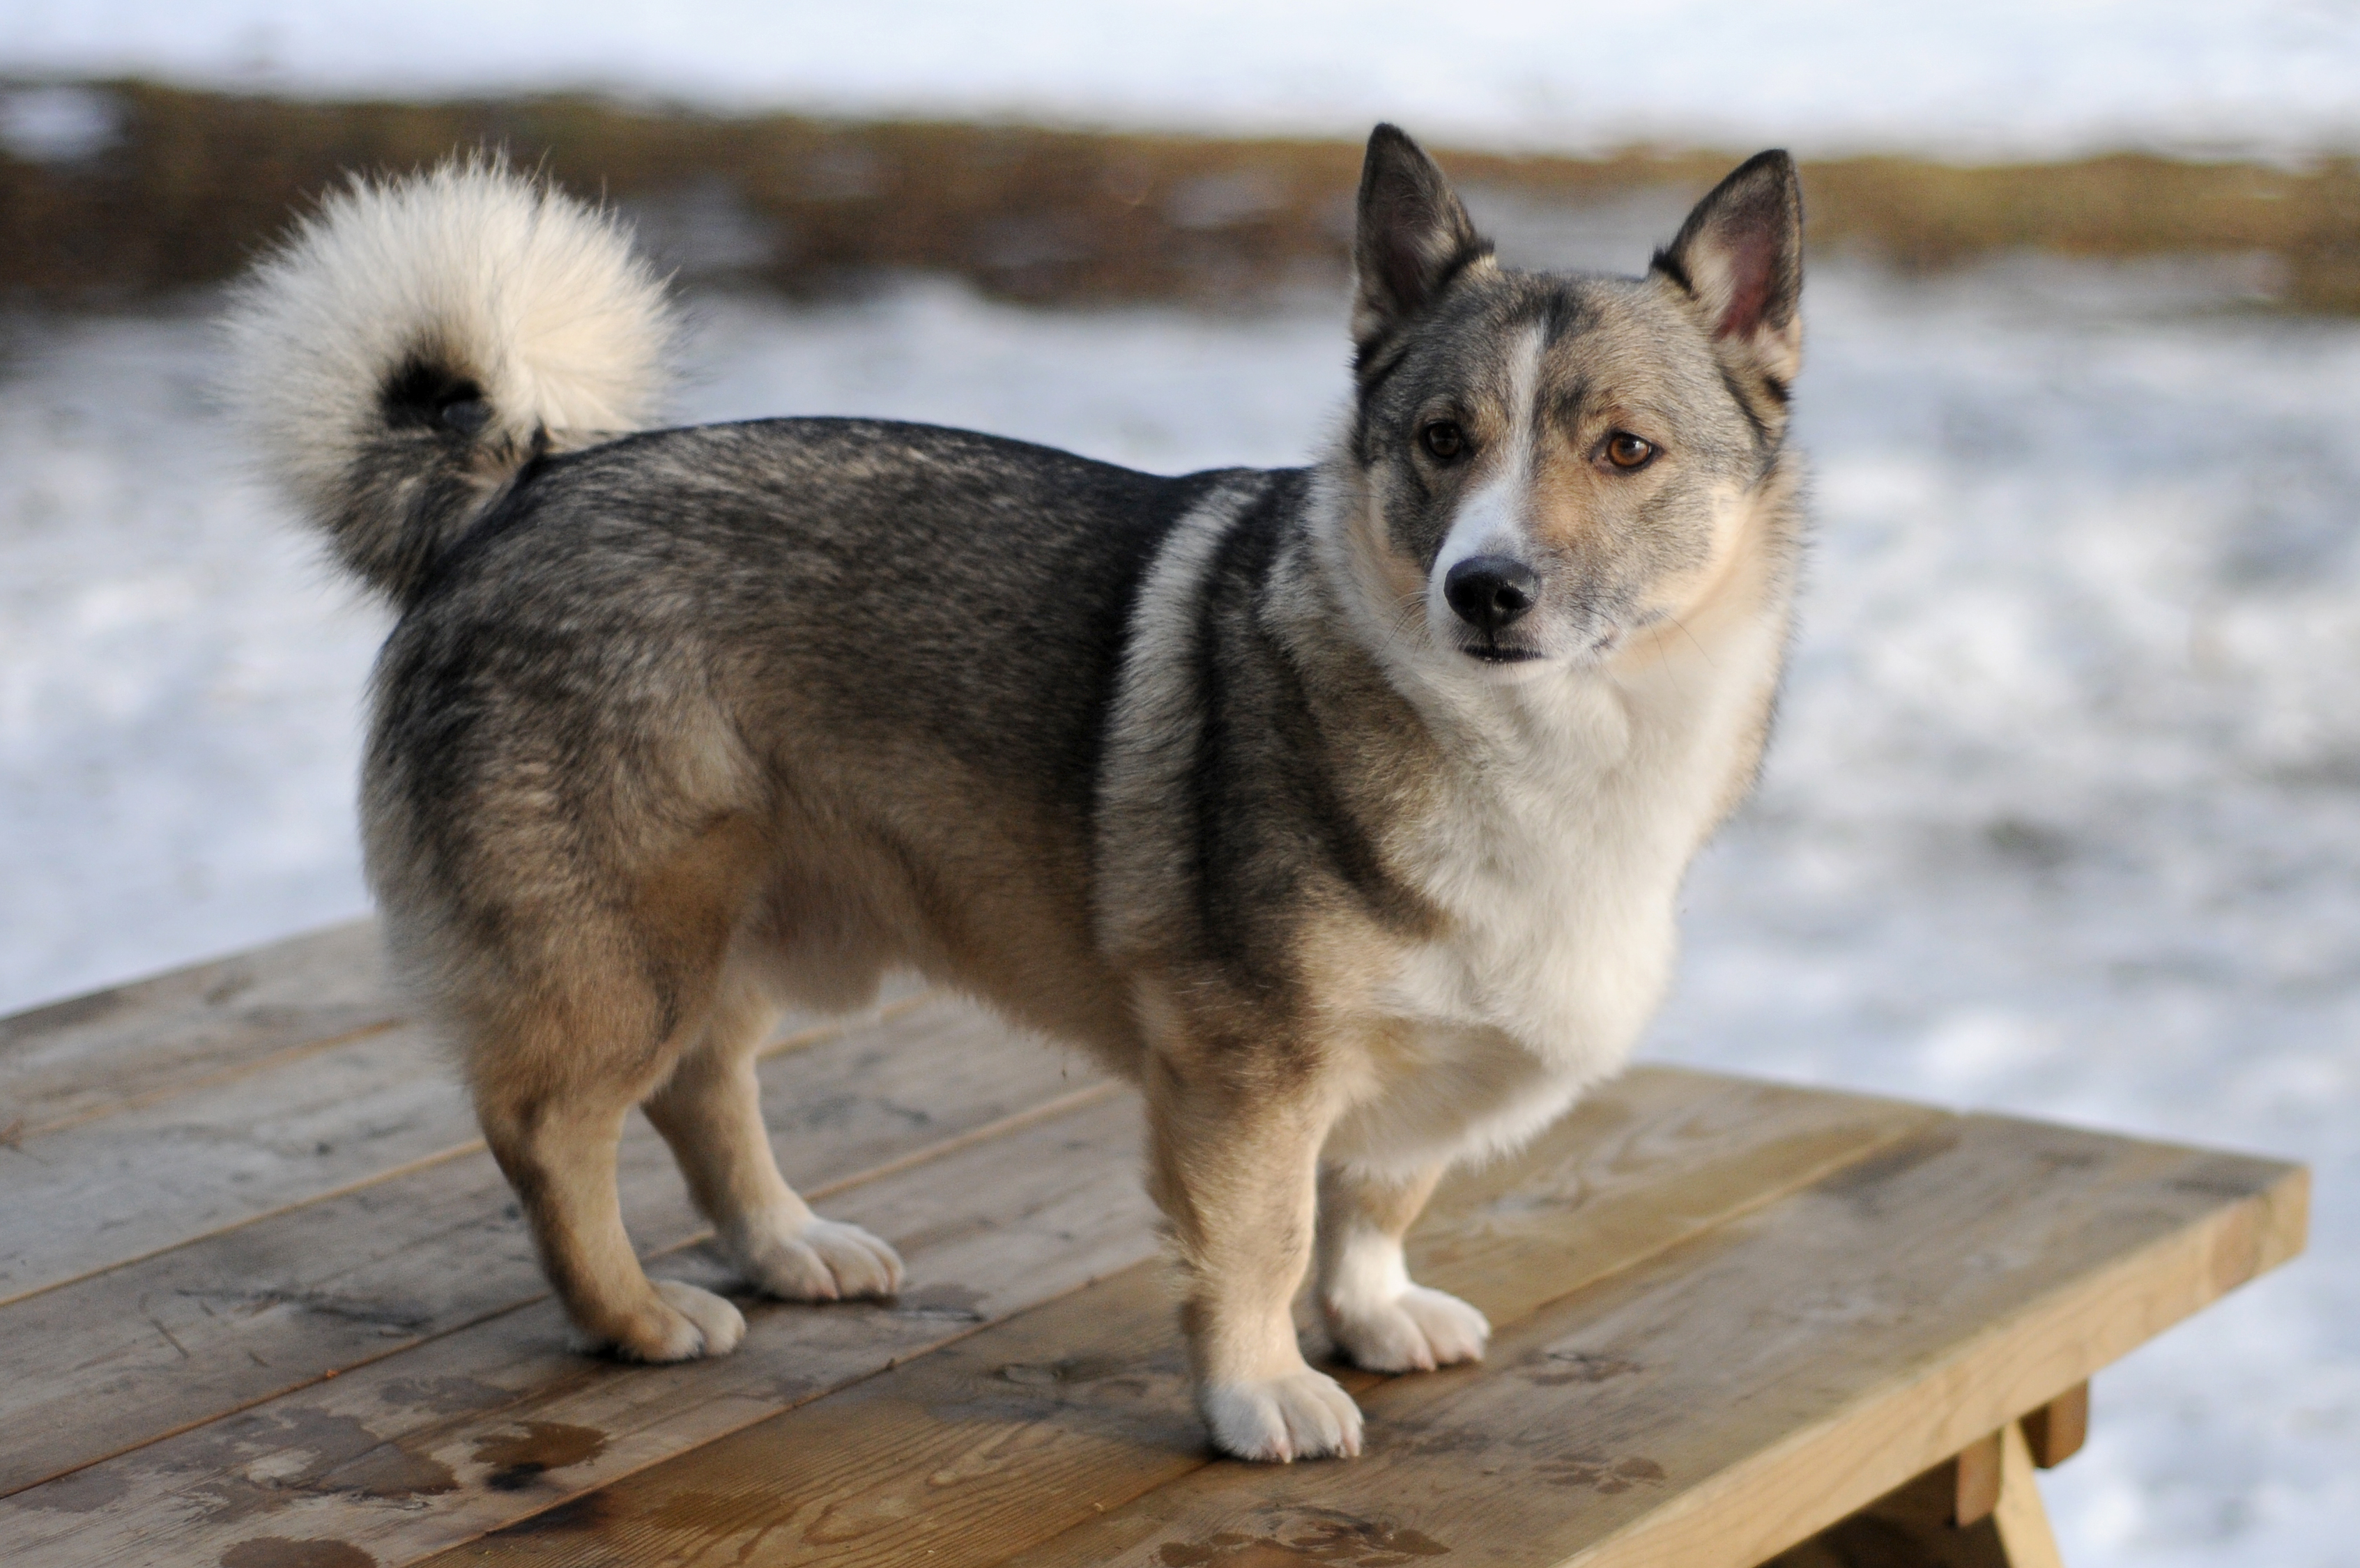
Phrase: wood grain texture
{"type": "Point", "coordinates": [1030, 1428]}
{"type": "Point", "coordinates": [2025, 1538]}
{"type": "Point", "coordinates": [986, 1446]}
{"type": "Point", "coordinates": [1974, 1481]}
{"type": "Point", "coordinates": [1911, 1527]}
{"type": "Point", "coordinates": [328, 1117]}
{"type": "Point", "coordinates": [2057, 1431]}
{"type": "Point", "coordinates": [1728, 1397]}
{"type": "Point", "coordinates": [130, 1045]}
{"type": "Point", "coordinates": [103, 1192]}
{"type": "Point", "coordinates": [1657, 1156]}
{"type": "Point", "coordinates": [128, 1355]}
{"type": "Point", "coordinates": [1732, 1315]}
{"type": "Point", "coordinates": [479, 1428]}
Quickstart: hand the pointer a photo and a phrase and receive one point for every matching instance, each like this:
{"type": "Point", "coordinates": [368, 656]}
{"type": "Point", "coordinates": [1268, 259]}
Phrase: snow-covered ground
{"type": "Point", "coordinates": [1977, 78]}
{"type": "Point", "coordinates": [2063, 816]}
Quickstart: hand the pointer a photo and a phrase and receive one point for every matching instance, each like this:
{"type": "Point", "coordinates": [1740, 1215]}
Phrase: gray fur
{"type": "Point", "coordinates": [1203, 774]}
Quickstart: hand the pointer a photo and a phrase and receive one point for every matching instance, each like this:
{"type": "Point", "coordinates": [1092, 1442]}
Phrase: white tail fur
{"type": "Point", "coordinates": [415, 340]}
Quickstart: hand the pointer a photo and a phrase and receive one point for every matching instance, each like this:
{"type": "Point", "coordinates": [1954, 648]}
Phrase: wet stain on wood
{"type": "Point", "coordinates": [520, 1458]}
{"type": "Point", "coordinates": [953, 1304]}
{"type": "Point", "coordinates": [65, 1015]}
{"type": "Point", "coordinates": [582, 1515]}
{"type": "Point", "coordinates": [1428, 1442]}
{"type": "Point", "coordinates": [1313, 1535]}
{"type": "Point", "coordinates": [1865, 1181]}
{"type": "Point", "coordinates": [1559, 1367]}
{"type": "Point", "coordinates": [1606, 1475]}
{"type": "Point", "coordinates": [283, 1552]}
{"type": "Point", "coordinates": [388, 1473]}
{"type": "Point", "coordinates": [84, 1491]}
{"type": "Point", "coordinates": [695, 1510]}
{"type": "Point", "coordinates": [444, 1396]}
{"type": "Point", "coordinates": [1071, 1369]}
{"type": "Point", "coordinates": [345, 1455]}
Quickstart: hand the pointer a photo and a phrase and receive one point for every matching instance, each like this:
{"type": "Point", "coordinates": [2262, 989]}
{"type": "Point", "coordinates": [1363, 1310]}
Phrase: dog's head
{"type": "Point", "coordinates": [1550, 463]}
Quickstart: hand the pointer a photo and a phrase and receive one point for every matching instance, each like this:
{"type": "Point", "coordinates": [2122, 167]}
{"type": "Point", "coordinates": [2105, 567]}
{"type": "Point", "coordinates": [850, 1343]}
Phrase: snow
{"type": "Point", "coordinates": [2016, 78]}
{"type": "Point", "coordinates": [2060, 817]}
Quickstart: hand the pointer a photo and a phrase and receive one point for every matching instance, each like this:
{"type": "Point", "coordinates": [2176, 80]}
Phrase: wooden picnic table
{"type": "Point", "coordinates": [264, 1302]}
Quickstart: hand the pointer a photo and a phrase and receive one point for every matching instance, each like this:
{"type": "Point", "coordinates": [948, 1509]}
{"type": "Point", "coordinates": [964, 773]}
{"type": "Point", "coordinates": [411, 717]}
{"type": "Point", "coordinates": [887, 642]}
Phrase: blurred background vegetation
{"type": "Point", "coordinates": [111, 192]}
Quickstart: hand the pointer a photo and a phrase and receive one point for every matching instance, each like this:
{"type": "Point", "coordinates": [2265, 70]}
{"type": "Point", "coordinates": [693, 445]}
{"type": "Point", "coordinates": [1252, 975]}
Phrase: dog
{"type": "Point", "coordinates": [1342, 809]}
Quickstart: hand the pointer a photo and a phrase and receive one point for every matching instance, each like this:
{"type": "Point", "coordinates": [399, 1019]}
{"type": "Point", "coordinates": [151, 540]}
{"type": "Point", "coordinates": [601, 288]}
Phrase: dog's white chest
{"type": "Point", "coordinates": [1557, 858]}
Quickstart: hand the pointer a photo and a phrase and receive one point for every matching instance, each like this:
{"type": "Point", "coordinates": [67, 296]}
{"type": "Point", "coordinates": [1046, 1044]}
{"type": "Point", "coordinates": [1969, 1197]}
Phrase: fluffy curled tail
{"type": "Point", "coordinates": [415, 341]}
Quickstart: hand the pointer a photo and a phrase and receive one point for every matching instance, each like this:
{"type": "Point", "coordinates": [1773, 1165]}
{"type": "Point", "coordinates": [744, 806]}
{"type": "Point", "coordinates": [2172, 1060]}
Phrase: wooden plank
{"type": "Point", "coordinates": [2025, 1537]}
{"type": "Point", "coordinates": [2057, 1430]}
{"type": "Point", "coordinates": [470, 1431]}
{"type": "Point", "coordinates": [121, 1358]}
{"type": "Point", "coordinates": [102, 1191]}
{"type": "Point", "coordinates": [1912, 1526]}
{"type": "Point", "coordinates": [130, 1045]}
{"type": "Point", "coordinates": [1737, 1394]}
{"type": "Point", "coordinates": [1974, 1481]}
{"type": "Point", "coordinates": [101, 1194]}
{"type": "Point", "coordinates": [961, 1456]}
{"type": "Point", "coordinates": [1659, 1155]}
{"type": "Point", "coordinates": [1025, 1430]}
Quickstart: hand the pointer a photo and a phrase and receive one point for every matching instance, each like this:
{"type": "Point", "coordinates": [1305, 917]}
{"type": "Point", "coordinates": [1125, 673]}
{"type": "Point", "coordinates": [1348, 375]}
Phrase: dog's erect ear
{"type": "Point", "coordinates": [1740, 256]}
{"type": "Point", "coordinates": [1414, 237]}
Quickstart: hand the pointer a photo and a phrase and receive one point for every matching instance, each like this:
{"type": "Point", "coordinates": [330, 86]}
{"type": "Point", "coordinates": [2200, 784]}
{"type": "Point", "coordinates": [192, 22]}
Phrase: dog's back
{"type": "Point", "coordinates": [896, 640]}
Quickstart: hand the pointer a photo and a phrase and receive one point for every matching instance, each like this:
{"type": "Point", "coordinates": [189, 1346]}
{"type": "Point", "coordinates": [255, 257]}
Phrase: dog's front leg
{"type": "Point", "coordinates": [1235, 1169]}
{"type": "Point", "coordinates": [1377, 1315]}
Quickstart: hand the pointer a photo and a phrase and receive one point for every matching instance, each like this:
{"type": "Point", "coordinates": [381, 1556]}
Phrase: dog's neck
{"type": "Point", "coordinates": [1557, 815]}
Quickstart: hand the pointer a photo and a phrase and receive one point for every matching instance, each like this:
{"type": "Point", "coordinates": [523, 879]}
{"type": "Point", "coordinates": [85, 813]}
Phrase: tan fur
{"type": "Point", "coordinates": [1199, 774]}
{"type": "Point", "coordinates": [1237, 1118]}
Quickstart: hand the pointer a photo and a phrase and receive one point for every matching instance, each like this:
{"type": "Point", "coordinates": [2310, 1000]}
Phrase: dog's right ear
{"type": "Point", "coordinates": [1414, 237]}
{"type": "Point", "coordinates": [1739, 257]}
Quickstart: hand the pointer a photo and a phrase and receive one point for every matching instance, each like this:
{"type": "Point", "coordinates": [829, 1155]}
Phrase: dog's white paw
{"type": "Point", "coordinates": [679, 1322]}
{"type": "Point", "coordinates": [719, 1326]}
{"type": "Point", "coordinates": [820, 1261]}
{"type": "Point", "coordinates": [1301, 1415]}
{"type": "Point", "coordinates": [1417, 1330]}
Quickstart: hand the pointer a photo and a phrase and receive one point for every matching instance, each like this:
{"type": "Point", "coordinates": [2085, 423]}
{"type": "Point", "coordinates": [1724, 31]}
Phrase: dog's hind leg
{"type": "Point", "coordinates": [710, 1112]}
{"type": "Point", "coordinates": [552, 1091]}
{"type": "Point", "coordinates": [587, 1011]}
{"type": "Point", "coordinates": [1377, 1316]}
{"type": "Point", "coordinates": [1234, 1168]}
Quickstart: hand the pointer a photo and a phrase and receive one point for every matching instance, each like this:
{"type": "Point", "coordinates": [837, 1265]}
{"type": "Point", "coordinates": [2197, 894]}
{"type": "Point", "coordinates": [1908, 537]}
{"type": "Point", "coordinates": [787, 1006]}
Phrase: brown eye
{"type": "Point", "coordinates": [1443, 440]}
{"type": "Point", "coordinates": [1624, 450]}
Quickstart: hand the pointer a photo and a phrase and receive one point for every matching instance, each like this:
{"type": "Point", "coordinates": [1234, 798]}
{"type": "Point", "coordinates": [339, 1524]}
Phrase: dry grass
{"type": "Point", "coordinates": [197, 181]}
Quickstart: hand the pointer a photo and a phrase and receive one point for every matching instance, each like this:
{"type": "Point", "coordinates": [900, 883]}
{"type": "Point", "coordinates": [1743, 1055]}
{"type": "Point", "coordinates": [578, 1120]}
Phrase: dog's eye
{"type": "Point", "coordinates": [1624, 450]}
{"type": "Point", "coordinates": [1443, 440]}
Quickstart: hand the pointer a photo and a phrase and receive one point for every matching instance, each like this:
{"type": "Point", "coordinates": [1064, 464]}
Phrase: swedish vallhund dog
{"type": "Point", "coordinates": [1342, 809]}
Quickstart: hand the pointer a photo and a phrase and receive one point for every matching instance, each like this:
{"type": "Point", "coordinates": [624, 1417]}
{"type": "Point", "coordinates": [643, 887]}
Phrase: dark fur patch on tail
{"type": "Point", "coordinates": [426, 392]}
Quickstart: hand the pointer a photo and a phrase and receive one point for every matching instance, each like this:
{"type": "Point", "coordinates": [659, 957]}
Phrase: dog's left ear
{"type": "Point", "coordinates": [1414, 237]}
{"type": "Point", "coordinates": [1739, 256]}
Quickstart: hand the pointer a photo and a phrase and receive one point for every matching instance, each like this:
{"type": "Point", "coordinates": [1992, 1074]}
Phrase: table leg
{"type": "Point", "coordinates": [1916, 1525]}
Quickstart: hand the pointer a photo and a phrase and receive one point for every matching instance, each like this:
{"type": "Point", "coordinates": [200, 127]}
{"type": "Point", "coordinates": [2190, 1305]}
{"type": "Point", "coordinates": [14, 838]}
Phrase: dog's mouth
{"type": "Point", "coordinates": [1596, 646]}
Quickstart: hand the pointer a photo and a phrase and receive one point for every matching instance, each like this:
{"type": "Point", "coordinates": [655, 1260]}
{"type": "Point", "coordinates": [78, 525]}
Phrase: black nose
{"type": "Point", "coordinates": [1490, 592]}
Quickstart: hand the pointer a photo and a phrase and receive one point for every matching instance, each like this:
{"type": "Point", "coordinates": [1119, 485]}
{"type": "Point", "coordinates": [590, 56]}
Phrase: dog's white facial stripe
{"type": "Point", "coordinates": [1492, 518]}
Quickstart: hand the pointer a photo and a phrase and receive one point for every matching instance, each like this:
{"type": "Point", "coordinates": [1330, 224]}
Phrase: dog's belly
{"type": "Point", "coordinates": [1447, 1094]}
